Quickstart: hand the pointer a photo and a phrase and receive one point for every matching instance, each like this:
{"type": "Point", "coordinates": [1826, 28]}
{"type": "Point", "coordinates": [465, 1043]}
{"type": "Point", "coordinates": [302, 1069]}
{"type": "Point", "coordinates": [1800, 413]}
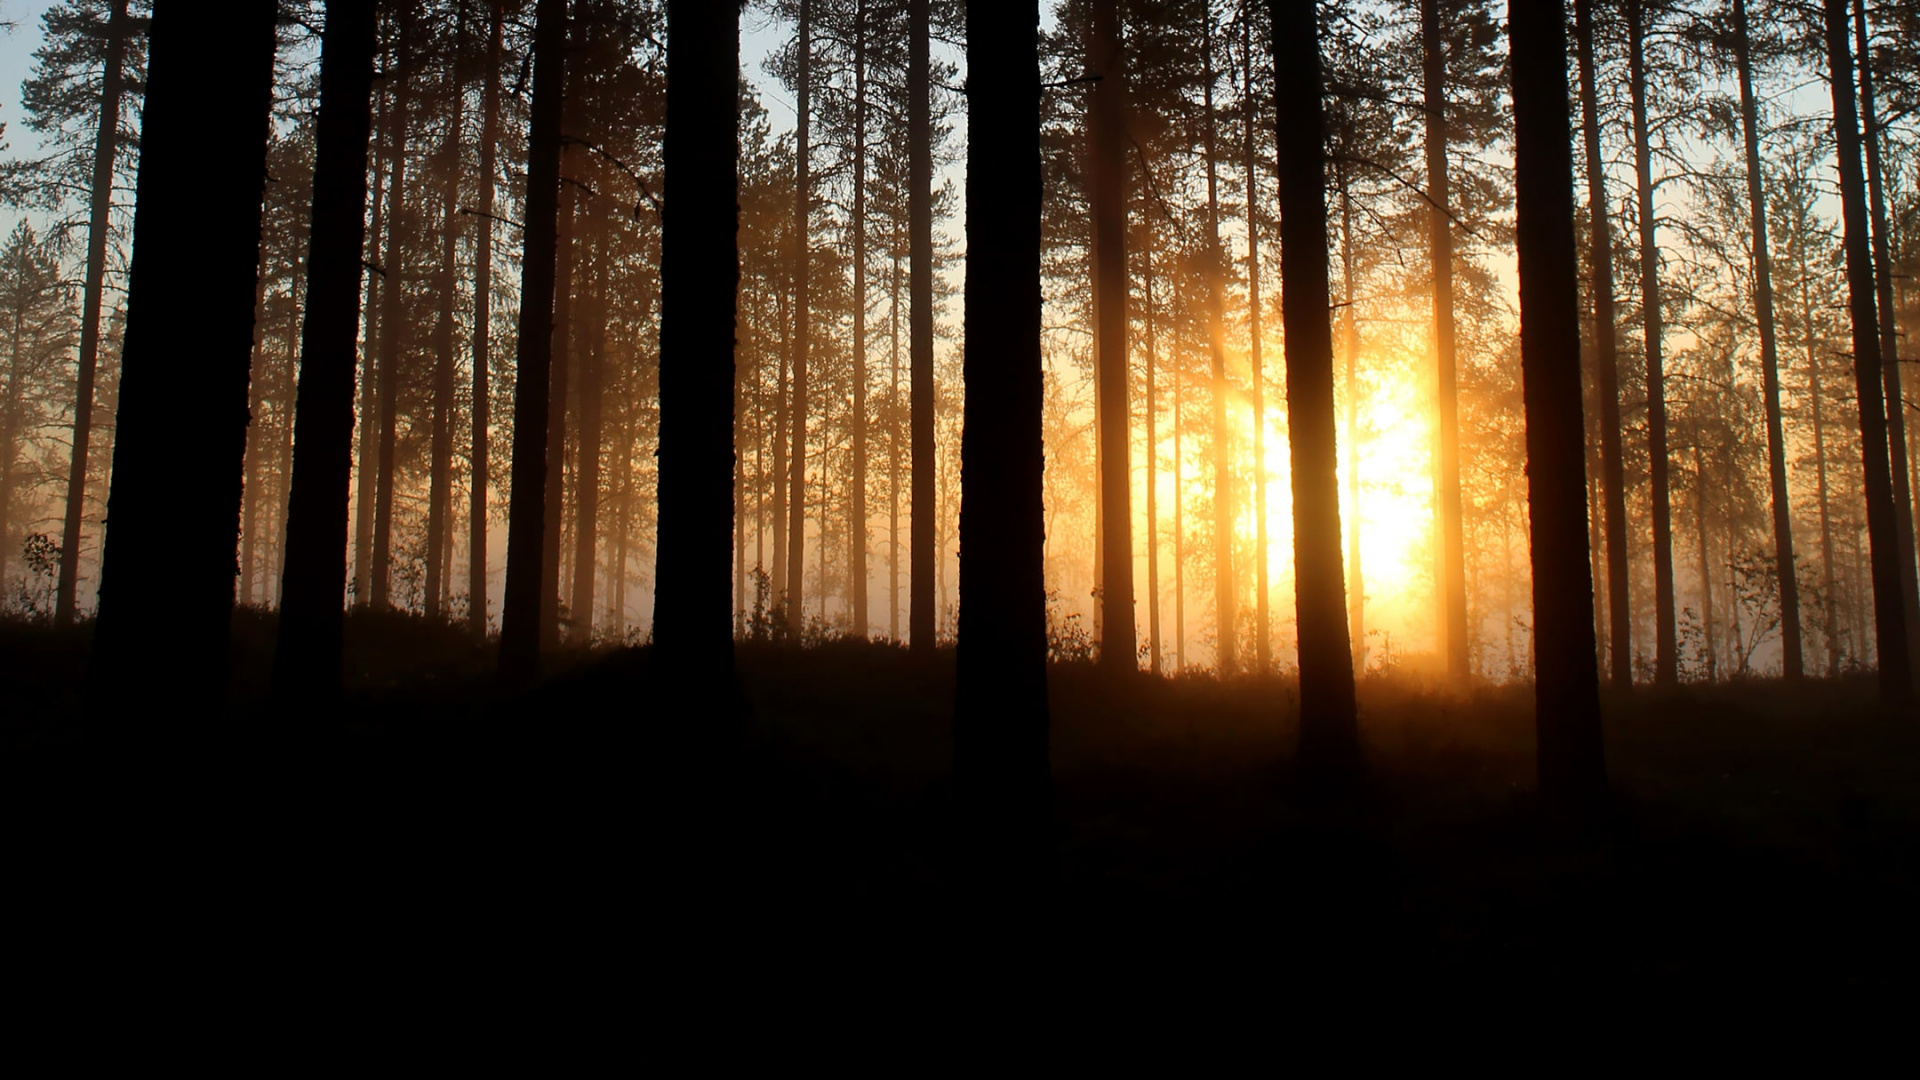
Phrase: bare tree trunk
{"type": "Point", "coordinates": [1262, 618]}
{"type": "Point", "coordinates": [1153, 482]}
{"type": "Point", "coordinates": [440, 482]}
{"type": "Point", "coordinates": [893, 450]}
{"type": "Point", "coordinates": [393, 322]}
{"type": "Point", "coordinates": [1791, 650]}
{"type": "Point", "coordinates": [1830, 625]}
{"type": "Point", "coordinates": [857, 488]}
{"type": "Point", "coordinates": [1350, 348]}
{"type": "Point", "coordinates": [558, 375]}
{"type": "Point", "coordinates": [1224, 592]}
{"type": "Point", "coordinates": [1446, 508]}
{"type": "Point", "coordinates": [526, 526]}
{"type": "Point", "coordinates": [368, 463]}
{"type": "Point", "coordinates": [478, 464]}
{"type": "Point", "coordinates": [307, 655]}
{"type": "Point", "coordinates": [1572, 761]}
{"type": "Point", "coordinates": [1117, 633]}
{"type": "Point", "coordinates": [106, 145]}
{"type": "Point", "coordinates": [1666, 643]}
{"type": "Point", "coordinates": [923, 556]}
{"type": "Point", "coordinates": [802, 329]}
{"type": "Point", "coordinates": [167, 588]}
{"type": "Point", "coordinates": [1707, 632]}
{"type": "Point", "coordinates": [1607, 363]}
{"type": "Point", "coordinates": [586, 484]}
{"type": "Point", "coordinates": [1889, 613]}
{"type": "Point", "coordinates": [250, 470]}
{"type": "Point", "coordinates": [1889, 345]}
{"type": "Point", "coordinates": [1329, 732]}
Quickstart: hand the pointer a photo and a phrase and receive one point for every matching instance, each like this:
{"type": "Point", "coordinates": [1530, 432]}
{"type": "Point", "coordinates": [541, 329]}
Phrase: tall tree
{"type": "Point", "coordinates": [921, 555]}
{"type": "Point", "coordinates": [1889, 616]}
{"type": "Point", "coordinates": [1262, 615]}
{"type": "Point", "coordinates": [306, 664]}
{"type": "Point", "coordinates": [1572, 763]}
{"type": "Point", "coordinates": [440, 482]}
{"type": "Point", "coordinates": [393, 321]}
{"type": "Point", "coordinates": [1889, 340]}
{"type": "Point", "coordinates": [520, 612]}
{"type": "Point", "coordinates": [1108, 61]}
{"type": "Point", "coordinates": [802, 328]}
{"type": "Point", "coordinates": [1329, 732]}
{"type": "Point", "coordinates": [699, 276]}
{"type": "Point", "coordinates": [477, 463]}
{"type": "Point", "coordinates": [857, 484]}
{"type": "Point", "coordinates": [1225, 593]}
{"type": "Point", "coordinates": [1606, 346]}
{"type": "Point", "coordinates": [1453, 581]}
{"type": "Point", "coordinates": [1666, 641]}
{"type": "Point", "coordinates": [1790, 647]}
{"type": "Point", "coordinates": [1000, 698]}
{"type": "Point", "coordinates": [167, 573]}
{"type": "Point", "coordinates": [106, 144]}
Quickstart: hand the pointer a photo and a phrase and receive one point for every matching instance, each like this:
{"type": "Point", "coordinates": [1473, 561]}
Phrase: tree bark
{"type": "Point", "coordinates": [857, 488]}
{"type": "Point", "coordinates": [526, 524]}
{"type": "Point", "coordinates": [586, 484]}
{"type": "Point", "coordinates": [369, 451]}
{"type": "Point", "coordinates": [1572, 760]}
{"type": "Point", "coordinates": [106, 145]}
{"type": "Point", "coordinates": [1117, 633]}
{"type": "Point", "coordinates": [802, 330]}
{"type": "Point", "coordinates": [1225, 593]}
{"type": "Point", "coordinates": [1889, 344]}
{"type": "Point", "coordinates": [478, 464]}
{"type": "Point", "coordinates": [559, 375]}
{"type": "Point", "coordinates": [1446, 508]}
{"type": "Point", "coordinates": [1000, 699]}
{"type": "Point", "coordinates": [1889, 615]}
{"type": "Point", "coordinates": [307, 653]}
{"type": "Point", "coordinates": [393, 322]}
{"type": "Point", "coordinates": [167, 574]}
{"type": "Point", "coordinates": [1329, 733]}
{"type": "Point", "coordinates": [1350, 352]}
{"type": "Point", "coordinates": [699, 276]}
{"type": "Point", "coordinates": [1262, 618]}
{"type": "Point", "coordinates": [440, 480]}
{"type": "Point", "coordinates": [1666, 643]}
{"type": "Point", "coordinates": [1613, 483]}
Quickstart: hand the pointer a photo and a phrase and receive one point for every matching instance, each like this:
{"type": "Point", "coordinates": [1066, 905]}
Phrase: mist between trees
{"type": "Point", "coordinates": [1722, 409]}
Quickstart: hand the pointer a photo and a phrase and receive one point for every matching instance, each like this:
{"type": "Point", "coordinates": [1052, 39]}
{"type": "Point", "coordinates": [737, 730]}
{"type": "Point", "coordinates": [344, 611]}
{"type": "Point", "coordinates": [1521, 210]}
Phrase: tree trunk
{"type": "Point", "coordinates": [250, 482]}
{"type": "Point", "coordinates": [167, 574]}
{"type": "Point", "coordinates": [1791, 651]}
{"type": "Point", "coordinates": [1262, 618]}
{"type": "Point", "coordinates": [559, 375]}
{"type": "Point", "coordinates": [1607, 362]}
{"type": "Point", "coordinates": [440, 480]}
{"type": "Point", "coordinates": [307, 653]}
{"type": "Point", "coordinates": [699, 276]}
{"type": "Point", "coordinates": [922, 556]}
{"type": "Point", "coordinates": [893, 449]}
{"type": "Point", "coordinates": [1153, 481]}
{"type": "Point", "coordinates": [1666, 643]}
{"type": "Point", "coordinates": [857, 489]}
{"type": "Point", "coordinates": [1446, 497]}
{"type": "Point", "coordinates": [1889, 344]}
{"type": "Point", "coordinates": [1889, 614]}
{"type": "Point", "coordinates": [526, 524]}
{"type": "Point", "coordinates": [1830, 624]}
{"type": "Point", "coordinates": [1350, 350]}
{"type": "Point", "coordinates": [482, 410]}
{"type": "Point", "coordinates": [1706, 563]}
{"type": "Point", "coordinates": [586, 484]}
{"type": "Point", "coordinates": [369, 452]}
{"type": "Point", "coordinates": [393, 324]}
{"type": "Point", "coordinates": [1572, 759]}
{"type": "Point", "coordinates": [802, 272]}
{"type": "Point", "coordinates": [1224, 593]}
{"type": "Point", "coordinates": [1000, 700]}
{"type": "Point", "coordinates": [1329, 733]}
{"type": "Point", "coordinates": [106, 145]}
{"type": "Point", "coordinates": [1117, 634]}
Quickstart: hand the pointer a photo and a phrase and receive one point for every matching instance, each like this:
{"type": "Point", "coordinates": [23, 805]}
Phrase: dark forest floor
{"type": "Point", "coordinates": [1761, 835]}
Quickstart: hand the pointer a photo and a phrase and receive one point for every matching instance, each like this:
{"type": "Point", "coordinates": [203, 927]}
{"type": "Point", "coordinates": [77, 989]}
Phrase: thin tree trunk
{"type": "Point", "coordinates": [307, 654]}
{"type": "Point", "coordinates": [482, 411]}
{"type": "Point", "coordinates": [1666, 643]}
{"type": "Point", "coordinates": [1329, 733]}
{"type": "Point", "coordinates": [1000, 699]}
{"type": "Point", "coordinates": [893, 450]}
{"type": "Point", "coordinates": [1446, 496]}
{"type": "Point", "coordinates": [1790, 646]}
{"type": "Point", "coordinates": [1572, 760]}
{"type": "Point", "coordinates": [1350, 348]}
{"type": "Point", "coordinates": [1889, 613]}
{"type": "Point", "coordinates": [1262, 619]}
{"type": "Point", "coordinates": [1830, 624]}
{"type": "Point", "coordinates": [526, 525]}
{"type": "Point", "coordinates": [369, 451]}
{"type": "Point", "coordinates": [1708, 635]}
{"type": "Point", "coordinates": [393, 323]}
{"type": "Point", "coordinates": [1607, 363]}
{"type": "Point", "coordinates": [440, 482]}
{"type": "Point", "coordinates": [559, 374]}
{"type": "Point", "coordinates": [802, 302]}
{"type": "Point", "coordinates": [586, 486]}
{"type": "Point", "coordinates": [1153, 482]}
{"type": "Point", "coordinates": [1117, 633]}
{"type": "Point", "coordinates": [699, 277]}
{"type": "Point", "coordinates": [167, 574]}
{"type": "Point", "coordinates": [857, 489]}
{"type": "Point", "coordinates": [1889, 344]}
{"type": "Point", "coordinates": [923, 558]}
{"type": "Point", "coordinates": [106, 145]}
{"type": "Point", "coordinates": [1224, 593]}
{"type": "Point", "coordinates": [250, 471]}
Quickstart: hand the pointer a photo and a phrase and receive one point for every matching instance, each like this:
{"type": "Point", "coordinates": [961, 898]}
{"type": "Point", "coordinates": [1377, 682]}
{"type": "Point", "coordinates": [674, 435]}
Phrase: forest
{"type": "Point", "coordinates": [1134, 457]}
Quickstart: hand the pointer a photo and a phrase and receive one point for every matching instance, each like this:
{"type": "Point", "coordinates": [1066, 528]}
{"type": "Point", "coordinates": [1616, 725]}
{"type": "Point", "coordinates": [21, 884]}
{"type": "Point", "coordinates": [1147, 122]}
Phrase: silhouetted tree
{"type": "Point", "coordinates": [1000, 699]}
{"type": "Point", "coordinates": [1896, 684]}
{"type": "Point", "coordinates": [699, 276]}
{"type": "Point", "coordinates": [478, 464]}
{"type": "Point", "coordinates": [1453, 581]}
{"type": "Point", "coordinates": [1572, 761]}
{"type": "Point", "coordinates": [1329, 734]}
{"type": "Point", "coordinates": [1109, 166]}
{"type": "Point", "coordinates": [520, 611]}
{"type": "Point", "coordinates": [921, 556]}
{"type": "Point", "coordinates": [307, 652]}
{"type": "Point", "coordinates": [167, 574]}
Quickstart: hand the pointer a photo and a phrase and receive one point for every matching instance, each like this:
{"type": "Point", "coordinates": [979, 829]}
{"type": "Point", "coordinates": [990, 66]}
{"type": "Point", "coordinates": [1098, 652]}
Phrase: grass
{"type": "Point", "coordinates": [1761, 834]}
